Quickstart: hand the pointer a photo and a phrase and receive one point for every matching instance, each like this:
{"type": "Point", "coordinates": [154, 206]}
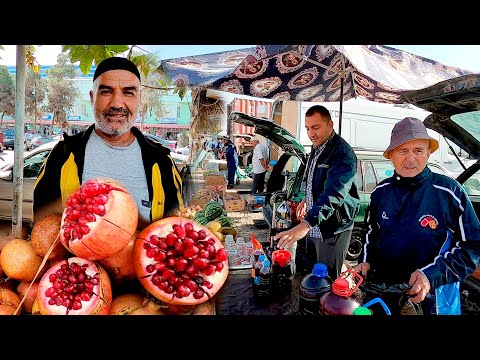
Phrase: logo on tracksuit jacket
{"type": "Point", "coordinates": [428, 220]}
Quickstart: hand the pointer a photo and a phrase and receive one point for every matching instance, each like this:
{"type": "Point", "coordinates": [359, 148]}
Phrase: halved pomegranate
{"type": "Point", "coordinates": [75, 287]}
{"type": "Point", "coordinates": [180, 261]}
{"type": "Point", "coordinates": [99, 219]}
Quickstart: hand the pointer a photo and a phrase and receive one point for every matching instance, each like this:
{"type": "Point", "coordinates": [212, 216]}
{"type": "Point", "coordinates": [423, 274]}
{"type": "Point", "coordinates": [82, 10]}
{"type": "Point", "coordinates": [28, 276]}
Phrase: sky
{"type": "Point", "coordinates": [462, 56]}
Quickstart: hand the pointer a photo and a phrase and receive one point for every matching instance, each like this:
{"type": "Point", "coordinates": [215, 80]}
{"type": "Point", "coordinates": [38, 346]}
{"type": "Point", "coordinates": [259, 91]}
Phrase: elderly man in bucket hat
{"type": "Point", "coordinates": [422, 228]}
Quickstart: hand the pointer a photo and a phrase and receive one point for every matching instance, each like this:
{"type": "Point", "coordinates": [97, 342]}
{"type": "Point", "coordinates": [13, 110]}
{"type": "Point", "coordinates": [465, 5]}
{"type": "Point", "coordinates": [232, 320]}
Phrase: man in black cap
{"type": "Point", "coordinates": [422, 227]}
{"type": "Point", "coordinates": [114, 148]}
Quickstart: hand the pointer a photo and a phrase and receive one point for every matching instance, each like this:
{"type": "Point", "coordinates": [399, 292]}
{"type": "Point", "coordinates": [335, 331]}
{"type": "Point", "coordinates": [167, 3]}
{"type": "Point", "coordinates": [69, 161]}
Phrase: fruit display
{"type": "Point", "coordinates": [91, 259]}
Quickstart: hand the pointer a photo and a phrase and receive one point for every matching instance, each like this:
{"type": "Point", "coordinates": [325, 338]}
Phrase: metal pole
{"type": "Point", "coordinates": [342, 79]}
{"type": "Point", "coordinates": [17, 213]}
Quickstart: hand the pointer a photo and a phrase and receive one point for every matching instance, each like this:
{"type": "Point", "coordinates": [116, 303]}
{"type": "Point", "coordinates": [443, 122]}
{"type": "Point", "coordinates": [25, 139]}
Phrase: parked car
{"type": "Point", "coordinates": [31, 169]}
{"type": "Point", "coordinates": [35, 140]}
{"type": "Point", "coordinates": [372, 167]}
{"type": "Point", "coordinates": [180, 160]}
{"type": "Point", "coordinates": [9, 138]}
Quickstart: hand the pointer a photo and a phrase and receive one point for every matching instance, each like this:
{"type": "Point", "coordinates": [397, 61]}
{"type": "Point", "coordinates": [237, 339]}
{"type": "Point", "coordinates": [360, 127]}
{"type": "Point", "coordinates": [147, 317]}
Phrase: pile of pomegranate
{"type": "Point", "coordinates": [77, 262]}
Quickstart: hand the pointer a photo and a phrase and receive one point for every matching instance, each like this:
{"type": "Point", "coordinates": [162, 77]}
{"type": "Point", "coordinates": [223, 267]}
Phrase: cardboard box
{"type": "Point", "coordinates": [215, 180]}
{"type": "Point", "coordinates": [234, 205]}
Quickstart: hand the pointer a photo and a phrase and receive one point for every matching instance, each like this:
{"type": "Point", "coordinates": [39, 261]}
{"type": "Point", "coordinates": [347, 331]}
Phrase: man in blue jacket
{"type": "Point", "coordinates": [332, 198]}
{"type": "Point", "coordinates": [422, 228]}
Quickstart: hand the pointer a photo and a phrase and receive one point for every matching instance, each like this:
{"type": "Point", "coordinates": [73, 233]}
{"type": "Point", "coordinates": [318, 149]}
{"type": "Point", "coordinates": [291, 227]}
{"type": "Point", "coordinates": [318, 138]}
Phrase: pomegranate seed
{"type": "Point", "coordinates": [190, 252]}
{"type": "Point", "coordinates": [160, 256]}
{"type": "Point", "coordinates": [181, 264]}
{"type": "Point", "coordinates": [179, 231]}
{"type": "Point", "coordinates": [203, 254]}
{"type": "Point", "coordinates": [219, 265]}
{"type": "Point", "coordinates": [210, 270]}
{"type": "Point", "coordinates": [171, 239]}
{"type": "Point", "coordinates": [160, 266]}
{"type": "Point", "coordinates": [188, 243]}
{"type": "Point", "coordinates": [198, 294]}
{"type": "Point", "coordinates": [169, 289]}
{"type": "Point", "coordinates": [202, 234]}
{"type": "Point", "coordinates": [77, 305]}
{"type": "Point", "coordinates": [154, 240]}
{"type": "Point", "coordinates": [188, 227]}
{"type": "Point", "coordinates": [201, 263]}
{"type": "Point", "coordinates": [207, 284]}
{"type": "Point", "coordinates": [221, 255]}
{"type": "Point", "coordinates": [152, 252]}
{"type": "Point", "coordinates": [171, 262]}
{"type": "Point", "coordinates": [193, 235]}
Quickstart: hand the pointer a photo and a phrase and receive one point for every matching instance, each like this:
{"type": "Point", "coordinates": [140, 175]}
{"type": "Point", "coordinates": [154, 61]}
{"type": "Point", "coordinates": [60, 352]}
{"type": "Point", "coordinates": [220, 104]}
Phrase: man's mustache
{"type": "Point", "coordinates": [113, 112]}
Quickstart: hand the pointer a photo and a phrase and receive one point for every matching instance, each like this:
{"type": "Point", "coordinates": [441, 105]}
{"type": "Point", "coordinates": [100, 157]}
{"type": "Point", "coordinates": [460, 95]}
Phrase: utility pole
{"type": "Point", "coordinates": [17, 213]}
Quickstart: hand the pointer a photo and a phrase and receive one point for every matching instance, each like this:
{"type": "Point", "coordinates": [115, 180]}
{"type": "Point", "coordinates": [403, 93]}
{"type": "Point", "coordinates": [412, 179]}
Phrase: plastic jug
{"type": "Point", "coordinates": [312, 287]}
{"type": "Point", "coordinates": [341, 300]}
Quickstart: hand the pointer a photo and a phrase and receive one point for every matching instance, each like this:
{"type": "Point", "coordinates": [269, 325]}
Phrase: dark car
{"type": "Point", "coordinates": [8, 138]}
{"type": "Point", "coordinates": [372, 167]}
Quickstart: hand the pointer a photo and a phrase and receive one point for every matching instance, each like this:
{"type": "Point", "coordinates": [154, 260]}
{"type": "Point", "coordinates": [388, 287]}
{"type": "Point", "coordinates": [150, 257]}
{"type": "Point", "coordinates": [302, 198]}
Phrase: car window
{"type": "Point", "coordinates": [472, 185]}
{"type": "Point", "coordinates": [34, 163]}
{"type": "Point", "coordinates": [383, 169]}
{"type": "Point", "coordinates": [370, 178]}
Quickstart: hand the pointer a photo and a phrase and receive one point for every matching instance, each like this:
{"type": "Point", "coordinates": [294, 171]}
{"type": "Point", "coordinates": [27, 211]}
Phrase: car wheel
{"type": "Point", "coordinates": [356, 244]}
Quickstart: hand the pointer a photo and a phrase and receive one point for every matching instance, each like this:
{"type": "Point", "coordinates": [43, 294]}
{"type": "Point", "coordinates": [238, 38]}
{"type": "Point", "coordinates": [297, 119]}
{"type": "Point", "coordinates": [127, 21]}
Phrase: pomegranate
{"type": "Point", "coordinates": [9, 302]}
{"type": "Point", "coordinates": [99, 219]}
{"type": "Point", "coordinates": [134, 304]}
{"type": "Point", "coordinates": [119, 266]}
{"type": "Point", "coordinates": [75, 286]}
{"type": "Point", "coordinates": [30, 296]}
{"type": "Point", "coordinates": [45, 233]}
{"type": "Point", "coordinates": [19, 261]}
{"type": "Point", "coordinates": [180, 261]}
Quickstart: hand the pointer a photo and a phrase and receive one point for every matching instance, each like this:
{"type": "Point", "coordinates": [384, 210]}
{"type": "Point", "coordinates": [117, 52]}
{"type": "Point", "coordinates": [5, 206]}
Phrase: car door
{"type": "Point", "coordinates": [31, 170]}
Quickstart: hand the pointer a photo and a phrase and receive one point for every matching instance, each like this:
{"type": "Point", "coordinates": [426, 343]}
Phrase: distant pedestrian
{"type": "Point", "coordinates": [231, 156]}
{"type": "Point", "coordinates": [259, 165]}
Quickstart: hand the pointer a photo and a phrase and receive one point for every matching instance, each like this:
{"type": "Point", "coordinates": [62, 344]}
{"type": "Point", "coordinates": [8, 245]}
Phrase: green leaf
{"type": "Point", "coordinates": [86, 65]}
{"type": "Point", "coordinates": [118, 48]}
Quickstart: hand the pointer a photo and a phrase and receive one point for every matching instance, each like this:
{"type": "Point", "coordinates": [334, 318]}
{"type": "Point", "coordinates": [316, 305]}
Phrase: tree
{"type": "Point", "coordinates": [151, 101]}
{"type": "Point", "coordinates": [35, 91]}
{"type": "Point", "coordinates": [7, 93]}
{"type": "Point", "coordinates": [61, 92]}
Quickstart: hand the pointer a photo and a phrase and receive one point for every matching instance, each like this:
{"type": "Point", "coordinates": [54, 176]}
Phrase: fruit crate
{"type": "Point", "coordinates": [233, 202]}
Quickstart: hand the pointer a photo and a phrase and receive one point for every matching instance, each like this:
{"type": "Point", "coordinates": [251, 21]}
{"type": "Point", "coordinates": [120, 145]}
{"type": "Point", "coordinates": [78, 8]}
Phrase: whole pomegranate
{"type": "Point", "coordinates": [134, 304]}
{"type": "Point", "coordinates": [180, 261]}
{"type": "Point", "coordinates": [19, 261]}
{"type": "Point", "coordinates": [120, 266]}
{"type": "Point", "coordinates": [99, 219]}
{"type": "Point", "coordinates": [9, 302]}
{"type": "Point", "coordinates": [45, 233]}
{"type": "Point", "coordinates": [74, 287]}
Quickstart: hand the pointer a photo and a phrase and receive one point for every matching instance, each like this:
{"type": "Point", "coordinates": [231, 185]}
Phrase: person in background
{"type": "Point", "coordinates": [114, 148]}
{"type": "Point", "coordinates": [332, 200]}
{"type": "Point", "coordinates": [422, 227]}
{"type": "Point", "coordinates": [231, 156]}
{"type": "Point", "coordinates": [259, 165]}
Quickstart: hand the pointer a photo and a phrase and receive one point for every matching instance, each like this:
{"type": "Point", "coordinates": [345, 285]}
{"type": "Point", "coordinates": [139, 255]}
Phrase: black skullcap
{"type": "Point", "coordinates": [116, 63]}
